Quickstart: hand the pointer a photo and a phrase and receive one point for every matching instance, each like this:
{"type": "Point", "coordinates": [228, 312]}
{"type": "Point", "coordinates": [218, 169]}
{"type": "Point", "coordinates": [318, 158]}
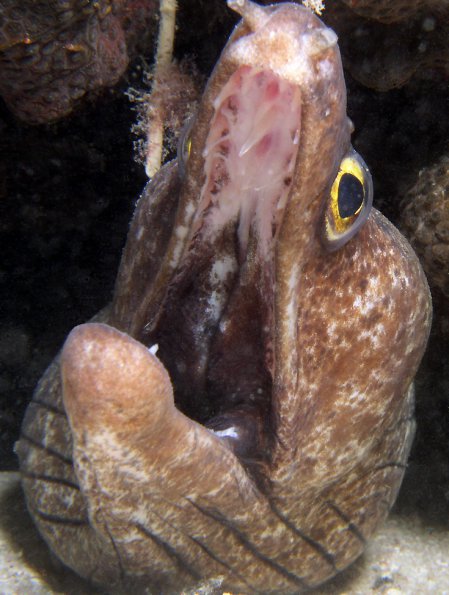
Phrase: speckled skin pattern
{"type": "Point", "coordinates": [384, 44]}
{"type": "Point", "coordinates": [425, 221]}
{"type": "Point", "coordinates": [267, 439]}
{"type": "Point", "coordinates": [54, 52]}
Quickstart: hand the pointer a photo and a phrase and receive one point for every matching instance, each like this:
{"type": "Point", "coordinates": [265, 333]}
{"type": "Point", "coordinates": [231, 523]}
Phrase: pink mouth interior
{"type": "Point", "coordinates": [250, 155]}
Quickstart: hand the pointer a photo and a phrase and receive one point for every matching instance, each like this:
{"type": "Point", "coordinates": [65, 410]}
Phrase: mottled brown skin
{"type": "Point", "coordinates": [54, 52]}
{"type": "Point", "coordinates": [385, 44]}
{"type": "Point", "coordinates": [124, 478]}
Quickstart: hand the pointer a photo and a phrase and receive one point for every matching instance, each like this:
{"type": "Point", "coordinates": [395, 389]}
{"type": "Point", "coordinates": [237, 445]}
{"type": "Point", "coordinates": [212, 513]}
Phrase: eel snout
{"type": "Point", "coordinates": [114, 388]}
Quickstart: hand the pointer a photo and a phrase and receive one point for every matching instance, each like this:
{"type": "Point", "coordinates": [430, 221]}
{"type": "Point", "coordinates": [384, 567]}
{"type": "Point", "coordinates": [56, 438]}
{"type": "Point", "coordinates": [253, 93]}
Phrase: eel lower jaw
{"type": "Point", "coordinates": [114, 386]}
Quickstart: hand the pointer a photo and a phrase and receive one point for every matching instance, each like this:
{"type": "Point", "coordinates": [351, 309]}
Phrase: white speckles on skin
{"type": "Point", "coordinates": [294, 277]}
{"type": "Point", "coordinates": [326, 68]}
{"type": "Point", "coordinates": [291, 313]}
{"type": "Point", "coordinates": [139, 233]}
{"type": "Point", "coordinates": [355, 398]}
{"type": "Point", "coordinates": [181, 233]}
{"type": "Point", "coordinates": [367, 301]}
{"type": "Point", "coordinates": [139, 515]}
{"type": "Point", "coordinates": [189, 210]}
{"type": "Point", "coordinates": [379, 329]}
{"type": "Point", "coordinates": [331, 328]}
{"type": "Point", "coordinates": [223, 325]}
{"type": "Point", "coordinates": [396, 281]}
{"type": "Point", "coordinates": [215, 303]}
{"type": "Point", "coordinates": [69, 498]}
{"type": "Point", "coordinates": [358, 303]}
{"type": "Point", "coordinates": [221, 269]}
{"type": "Point", "coordinates": [372, 336]}
{"type": "Point", "coordinates": [374, 283]}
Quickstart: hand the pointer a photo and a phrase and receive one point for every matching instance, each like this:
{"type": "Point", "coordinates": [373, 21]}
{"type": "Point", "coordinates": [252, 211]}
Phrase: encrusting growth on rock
{"type": "Point", "coordinates": [316, 5]}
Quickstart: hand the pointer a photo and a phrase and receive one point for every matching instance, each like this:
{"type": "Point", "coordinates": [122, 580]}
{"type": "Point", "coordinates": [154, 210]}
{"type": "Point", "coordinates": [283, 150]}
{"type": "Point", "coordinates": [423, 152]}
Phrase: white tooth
{"type": "Point", "coordinates": [262, 125]}
{"type": "Point", "coordinates": [249, 144]}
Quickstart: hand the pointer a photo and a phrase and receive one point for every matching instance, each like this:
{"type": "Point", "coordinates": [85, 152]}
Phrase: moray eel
{"type": "Point", "coordinates": [244, 409]}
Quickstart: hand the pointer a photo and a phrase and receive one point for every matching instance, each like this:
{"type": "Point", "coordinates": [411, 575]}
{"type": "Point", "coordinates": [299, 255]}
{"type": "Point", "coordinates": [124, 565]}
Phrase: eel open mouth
{"type": "Point", "coordinates": [215, 335]}
{"type": "Point", "coordinates": [250, 155]}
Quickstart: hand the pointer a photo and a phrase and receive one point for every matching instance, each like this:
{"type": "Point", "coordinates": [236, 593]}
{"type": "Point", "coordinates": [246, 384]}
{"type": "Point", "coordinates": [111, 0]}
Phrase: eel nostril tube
{"type": "Point", "coordinates": [253, 15]}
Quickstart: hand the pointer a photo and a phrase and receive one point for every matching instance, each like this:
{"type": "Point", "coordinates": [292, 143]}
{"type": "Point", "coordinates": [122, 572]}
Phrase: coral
{"type": "Point", "coordinates": [385, 44]}
{"type": "Point", "coordinates": [425, 221]}
{"type": "Point", "coordinates": [54, 52]}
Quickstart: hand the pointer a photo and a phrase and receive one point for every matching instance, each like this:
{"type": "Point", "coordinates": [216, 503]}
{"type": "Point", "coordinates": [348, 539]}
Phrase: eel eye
{"type": "Point", "coordinates": [350, 201]}
{"type": "Point", "coordinates": [185, 146]}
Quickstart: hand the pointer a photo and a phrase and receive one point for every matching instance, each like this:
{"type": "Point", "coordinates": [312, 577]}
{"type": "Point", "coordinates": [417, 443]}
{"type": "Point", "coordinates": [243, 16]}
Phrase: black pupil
{"type": "Point", "coordinates": [350, 195]}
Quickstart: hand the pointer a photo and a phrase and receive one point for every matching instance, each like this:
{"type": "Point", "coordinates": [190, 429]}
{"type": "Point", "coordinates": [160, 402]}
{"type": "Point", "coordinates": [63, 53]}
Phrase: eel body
{"type": "Point", "coordinates": [243, 410]}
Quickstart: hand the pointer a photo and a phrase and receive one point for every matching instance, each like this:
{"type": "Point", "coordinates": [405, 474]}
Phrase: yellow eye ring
{"type": "Point", "coordinates": [350, 201]}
